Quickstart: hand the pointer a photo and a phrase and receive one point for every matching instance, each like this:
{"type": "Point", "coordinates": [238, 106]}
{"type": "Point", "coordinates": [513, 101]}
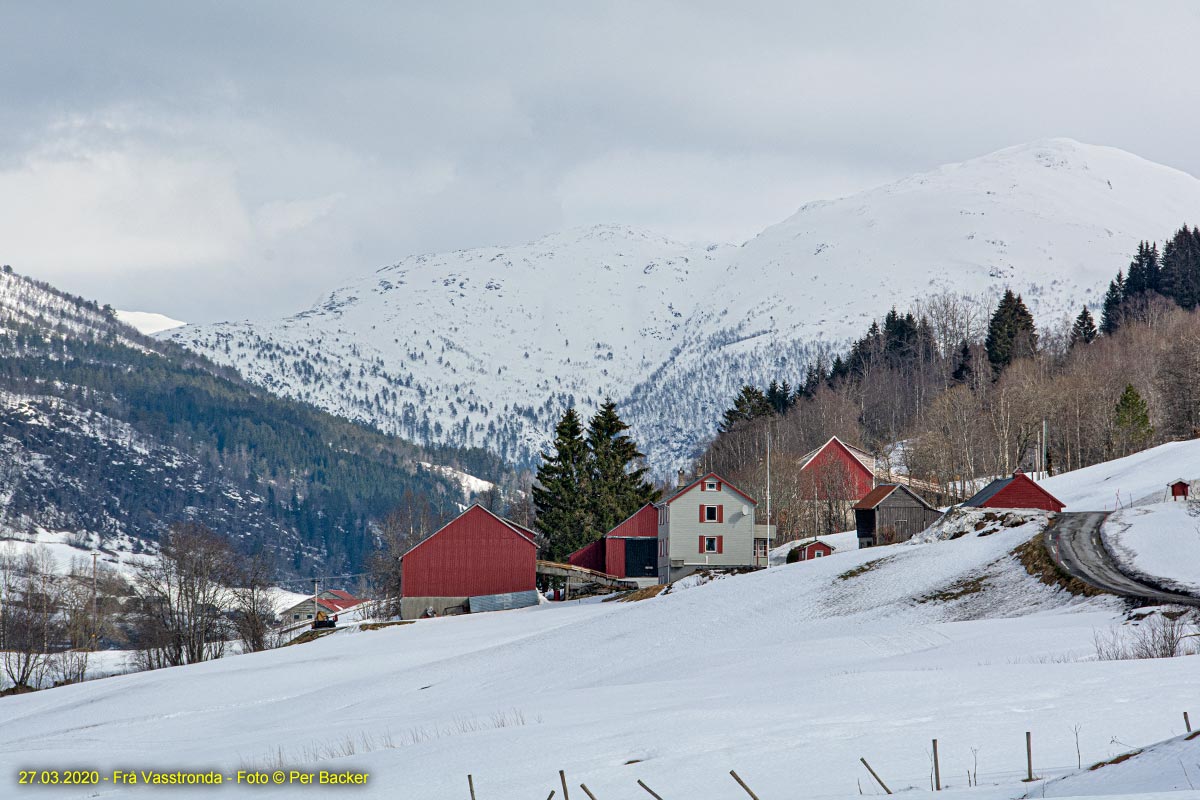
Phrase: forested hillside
{"type": "Point", "coordinates": [113, 436]}
{"type": "Point", "coordinates": [957, 389]}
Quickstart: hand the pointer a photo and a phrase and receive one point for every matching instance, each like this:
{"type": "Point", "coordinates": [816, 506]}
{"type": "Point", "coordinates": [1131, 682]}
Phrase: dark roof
{"type": "Point", "coordinates": [875, 496]}
{"type": "Point", "coordinates": [988, 492]}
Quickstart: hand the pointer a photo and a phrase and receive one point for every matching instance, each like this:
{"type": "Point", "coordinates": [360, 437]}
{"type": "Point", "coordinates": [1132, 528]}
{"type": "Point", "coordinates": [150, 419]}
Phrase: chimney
{"type": "Point", "coordinates": [682, 480]}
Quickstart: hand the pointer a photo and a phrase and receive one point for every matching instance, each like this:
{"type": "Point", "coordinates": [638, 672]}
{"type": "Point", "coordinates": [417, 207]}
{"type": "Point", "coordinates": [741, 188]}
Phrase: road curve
{"type": "Point", "coordinates": [1075, 545]}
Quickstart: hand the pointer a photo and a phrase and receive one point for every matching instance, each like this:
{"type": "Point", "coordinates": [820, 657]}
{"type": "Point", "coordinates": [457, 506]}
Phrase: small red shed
{"type": "Point", "coordinates": [808, 550]}
{"type": "Point", "coordinates": [475, 555]}
{"type": "Point", "coordinates": [1179, 489]}
{"type": "Point", "coordinates": [1015, 492]}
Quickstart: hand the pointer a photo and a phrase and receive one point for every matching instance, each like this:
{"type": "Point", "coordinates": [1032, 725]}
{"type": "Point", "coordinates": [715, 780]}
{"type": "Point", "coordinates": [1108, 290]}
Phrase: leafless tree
{"type": "Point", "coordinates": [30, 619]}
{"type": "Point", "coordinates": [253, 605]}
{"type": "Point", "coordinates": [181, 598]}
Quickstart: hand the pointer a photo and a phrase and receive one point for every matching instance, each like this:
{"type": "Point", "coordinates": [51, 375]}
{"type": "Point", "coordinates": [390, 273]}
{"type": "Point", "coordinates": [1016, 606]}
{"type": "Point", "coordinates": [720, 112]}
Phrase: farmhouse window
{"type": "Point", "coordinates": [817, 553]}
{"type": "Point", "coordinates": [710, 486]}
{"type": "Point", "coordinates": [712, 544]}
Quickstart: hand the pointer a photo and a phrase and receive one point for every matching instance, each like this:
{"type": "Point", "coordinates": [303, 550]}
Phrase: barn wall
{"type": "Point", "coordinates": [642, 523]}
{"type": "Point", "coordinates": [590, 556]}
{"type": "Point", "coordinates": [860, 479]}
{"type": "Point", "coordinates": [474, 554]}
{"type": "Point", "coordinates": [1021, 494]}
{"type": "Point", "coordinates": [614, 556]}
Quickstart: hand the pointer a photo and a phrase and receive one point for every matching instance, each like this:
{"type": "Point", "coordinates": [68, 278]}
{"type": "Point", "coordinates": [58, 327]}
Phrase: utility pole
{"type": "Point", "coordinates": [767, 533]}
{"type": "Point", "coordinates": [95, 617]}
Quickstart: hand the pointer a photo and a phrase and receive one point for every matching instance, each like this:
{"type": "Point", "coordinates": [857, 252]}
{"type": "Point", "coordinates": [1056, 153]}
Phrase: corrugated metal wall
{"type": "Point", "coordinates": [476, 554]}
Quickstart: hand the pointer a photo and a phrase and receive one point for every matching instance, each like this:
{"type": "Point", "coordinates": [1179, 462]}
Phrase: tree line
{"type": "Point", "coordinates": [958, 388]}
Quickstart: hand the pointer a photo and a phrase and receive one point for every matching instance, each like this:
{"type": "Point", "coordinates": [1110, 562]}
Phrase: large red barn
{"type": "Point", "coordinates": [1019, 491]}
{"type": "Point", "coordinates": [838, 471]}
{"type": "Point", "coordinates": [630, 550]}
{"type": "Point", "coordinates": [477, 561]}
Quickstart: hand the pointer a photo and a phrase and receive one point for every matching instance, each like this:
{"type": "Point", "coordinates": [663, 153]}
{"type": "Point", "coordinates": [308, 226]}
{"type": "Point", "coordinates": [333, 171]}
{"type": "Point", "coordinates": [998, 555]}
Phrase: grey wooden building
{"type": "Point", "coordinates": [891, 513]}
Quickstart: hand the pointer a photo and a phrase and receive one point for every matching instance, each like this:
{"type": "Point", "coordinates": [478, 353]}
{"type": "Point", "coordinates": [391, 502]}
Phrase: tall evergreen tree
{"type": "Point", "coordinates": [1131, 418]}
{"type": "Point", "coordinates": [1110, 318]}
{"type": "Point", "coordinates": [1180, 269]}
{"type": "Point", "coordinates": [750, 404]}
{"type": "Point", "coordinates": [1011, 332]}
{"type": "Point", "coordinates": [964, 370]}
{"type": "Point", "coordinates": [1084, 329]}
{"type": "Point", "coordinates": [618, 478]}
{"type": "Point", "coordinates": [562, 494]}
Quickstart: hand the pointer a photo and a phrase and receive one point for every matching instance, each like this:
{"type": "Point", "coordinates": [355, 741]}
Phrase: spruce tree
{"type": "Point", "coordinates": [1132, 421]}
{"type": "Point", "coordinates": [1011, 332]}
{"type": "Point", "coordinates": [618, 479]}
{"type": "Point", "coordinates": [750, 404]}
{"type": "Point", "coordinates": [1110, 318]}
{"type": "Point", "coordinates": [562, 494]}
{"type": "Point", "coordinates": [964, 371]}
{"type": "Point", "coordinates": [1084, 329]}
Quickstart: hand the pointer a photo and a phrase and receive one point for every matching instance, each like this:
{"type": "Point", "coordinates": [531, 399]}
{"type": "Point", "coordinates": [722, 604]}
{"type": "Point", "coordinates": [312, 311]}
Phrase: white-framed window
{"type": "Point", "coordinates": [710, 514]}
{"type": "Point", "coordinates": [817, 554]}
{"type": "Point", "coordinates": [760, 548]}
{"type": "Point", "coordinates": [710, 544]}
{"type": "Point", "coordinates": [710, 486]}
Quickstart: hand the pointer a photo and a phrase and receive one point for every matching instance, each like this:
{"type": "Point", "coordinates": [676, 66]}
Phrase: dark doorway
{"type": "Point", "coordinates": [641, 558]}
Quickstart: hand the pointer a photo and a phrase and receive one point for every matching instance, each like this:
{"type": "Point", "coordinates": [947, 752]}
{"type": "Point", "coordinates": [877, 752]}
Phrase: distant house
{"type": "Point", "coordinates": [476, 562]}
{"type": "Point", "coordinates": [330, 601]}
{"type": "Point", "coordinates": [1015, 492]}
{"type": "Point", "coordinates": [630, 550]}
{"type": "Point", "coordinates": [1179, 489]}
{"type": "Point", "coordinates": [837, 471]}
{"type": "Point", "coordinates": [708, 522]}
{"type": "Point", "coordinates": [891, 513]}
{"type": "Point", "coordinates": [809, 549]}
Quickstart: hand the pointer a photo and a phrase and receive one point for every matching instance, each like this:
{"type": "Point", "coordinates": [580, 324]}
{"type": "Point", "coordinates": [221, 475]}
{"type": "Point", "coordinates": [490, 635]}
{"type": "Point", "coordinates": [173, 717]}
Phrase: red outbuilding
{"type": "Point", "coordinates": [1015, 492]}
{"type": "Point", "coordinates": [1179, 489]}
{"type": "Point", "coordinates": [630, 550]}
{"type": "Point", "coordinates": [806, 551]}
{"type": "Point", "coordinates": [476, 562]}
{"type": "Point", "coordinates": [837, 471]}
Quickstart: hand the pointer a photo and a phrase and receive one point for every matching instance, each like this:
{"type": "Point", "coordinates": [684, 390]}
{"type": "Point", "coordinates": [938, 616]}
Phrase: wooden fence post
{"type": "Point", "coordinates": [742, 783]}
{"type": "Point", "coordinates": [551, 795]}
{"type": "Point", "coordinates": [471, 784]}
{"type": "Point", "coordinates": [563, 777]}
{"type": "Point", "coordinates": [653, 793]}
{"type": "Point", "coordinates": [587, 791]}
{"type": "Point", "coordinates": [1029, 755]}
{"type": "Point", "coordinates": [1187, 723]}
{"type": "Point", "coordinates": [873, 775]}
{"type": "Point", "coordinates": [937, 769]}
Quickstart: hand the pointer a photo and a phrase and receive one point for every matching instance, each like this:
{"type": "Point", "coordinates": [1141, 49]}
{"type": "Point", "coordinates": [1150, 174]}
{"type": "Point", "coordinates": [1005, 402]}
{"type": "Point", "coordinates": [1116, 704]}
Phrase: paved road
{"type": "Point", "coordinates": [1074, 542]}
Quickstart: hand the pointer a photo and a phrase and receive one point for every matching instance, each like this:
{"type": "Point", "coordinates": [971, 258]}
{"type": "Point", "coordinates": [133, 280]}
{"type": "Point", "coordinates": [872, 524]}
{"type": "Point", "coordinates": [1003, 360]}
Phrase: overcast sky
{"type": "Point", "coordinates": [227, 160]}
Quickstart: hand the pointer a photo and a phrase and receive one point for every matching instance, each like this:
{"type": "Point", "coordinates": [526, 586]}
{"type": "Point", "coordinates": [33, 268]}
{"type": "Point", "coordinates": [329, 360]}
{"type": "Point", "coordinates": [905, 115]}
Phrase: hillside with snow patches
{"type": "Point", "coordinates": [487, 346]}
{"type": "Point", "coordinates": [787, 676]}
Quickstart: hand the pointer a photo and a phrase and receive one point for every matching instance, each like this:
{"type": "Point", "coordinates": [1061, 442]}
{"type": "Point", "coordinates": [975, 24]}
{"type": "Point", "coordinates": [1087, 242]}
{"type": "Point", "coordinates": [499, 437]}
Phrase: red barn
{"type": "Point", "coordinates": [838, 471]}
{"type": "Point", "coordinates": [1015, 492]}
{"type": "Point", "coordinates": [630, 550]}
{"type": "Point", "coordinates": [476, 562]}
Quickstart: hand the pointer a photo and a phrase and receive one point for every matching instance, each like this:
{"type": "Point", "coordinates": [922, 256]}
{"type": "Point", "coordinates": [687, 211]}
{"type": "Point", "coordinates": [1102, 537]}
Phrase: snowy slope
{"type": "Point", "coordinates": [486, 346]}
{"type": "Point", "coordinates": [149, 322]}
{"type": "Point", "coordinates": [1138, 479]}
{"type": "Point", "coordinates": [1160, 541]}
{"type": "Point", "coordinates": [787, 676]}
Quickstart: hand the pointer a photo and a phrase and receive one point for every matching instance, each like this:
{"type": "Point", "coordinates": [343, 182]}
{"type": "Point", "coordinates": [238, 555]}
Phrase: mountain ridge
{"type": "Point", "coordinates": [489, 345]}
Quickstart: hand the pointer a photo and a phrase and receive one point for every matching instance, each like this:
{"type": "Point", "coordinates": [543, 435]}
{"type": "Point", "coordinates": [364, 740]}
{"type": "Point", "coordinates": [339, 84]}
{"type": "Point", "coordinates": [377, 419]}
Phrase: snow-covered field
{"type": "Point", "coordinates": [1159, 541]}
{"type": "Point", "coordinates": [1134, 480]}
{"type": "Point", "coordinates": [787, 675]}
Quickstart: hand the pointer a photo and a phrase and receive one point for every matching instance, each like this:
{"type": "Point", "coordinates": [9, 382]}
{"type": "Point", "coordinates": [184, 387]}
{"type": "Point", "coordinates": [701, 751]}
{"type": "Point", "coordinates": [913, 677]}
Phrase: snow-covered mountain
{"type": "Point", "coordinates": [485, 347]}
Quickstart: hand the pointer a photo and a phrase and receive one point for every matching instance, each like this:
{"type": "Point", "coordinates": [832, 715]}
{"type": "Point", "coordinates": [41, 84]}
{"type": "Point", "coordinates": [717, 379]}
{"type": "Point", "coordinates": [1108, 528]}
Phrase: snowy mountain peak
{"type": "Point", "coordinates": [486, 346]}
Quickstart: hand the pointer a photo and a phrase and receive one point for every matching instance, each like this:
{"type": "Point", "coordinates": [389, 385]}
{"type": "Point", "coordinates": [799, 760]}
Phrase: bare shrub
{"type": "Point", "coordinates": [1157, 636]}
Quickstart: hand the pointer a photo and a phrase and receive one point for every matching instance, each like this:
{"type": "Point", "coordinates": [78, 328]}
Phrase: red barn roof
{"type": "Point", "coordinates": [1015, 492]}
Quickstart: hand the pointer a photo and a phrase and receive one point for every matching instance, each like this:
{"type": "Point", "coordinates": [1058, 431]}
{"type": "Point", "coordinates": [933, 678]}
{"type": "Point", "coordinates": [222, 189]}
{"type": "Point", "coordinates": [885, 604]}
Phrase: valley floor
{"type": "Point", "coordinates": [788, 676]}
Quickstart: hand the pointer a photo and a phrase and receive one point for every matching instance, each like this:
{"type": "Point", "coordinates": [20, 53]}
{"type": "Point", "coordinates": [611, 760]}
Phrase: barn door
{"type": "Point", "coordinates": [641, 557]}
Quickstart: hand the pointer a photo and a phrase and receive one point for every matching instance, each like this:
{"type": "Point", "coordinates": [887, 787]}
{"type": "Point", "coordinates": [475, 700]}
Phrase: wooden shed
{"type": "Point", "coordinates": [891, 513]}
{"type": "Point", "coordinates": [1179, 489]}
{"type": "Point", "coordinates": [477, 560]}
{"type": "Point", "coordinates": [1015, 492]}
{"type": "Point", "coordinates": [630, 550]}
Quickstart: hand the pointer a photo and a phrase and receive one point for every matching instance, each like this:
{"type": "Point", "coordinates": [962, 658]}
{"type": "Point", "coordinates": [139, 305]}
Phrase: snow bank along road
{"type": "Point", "coordinates": [1074, 542]}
